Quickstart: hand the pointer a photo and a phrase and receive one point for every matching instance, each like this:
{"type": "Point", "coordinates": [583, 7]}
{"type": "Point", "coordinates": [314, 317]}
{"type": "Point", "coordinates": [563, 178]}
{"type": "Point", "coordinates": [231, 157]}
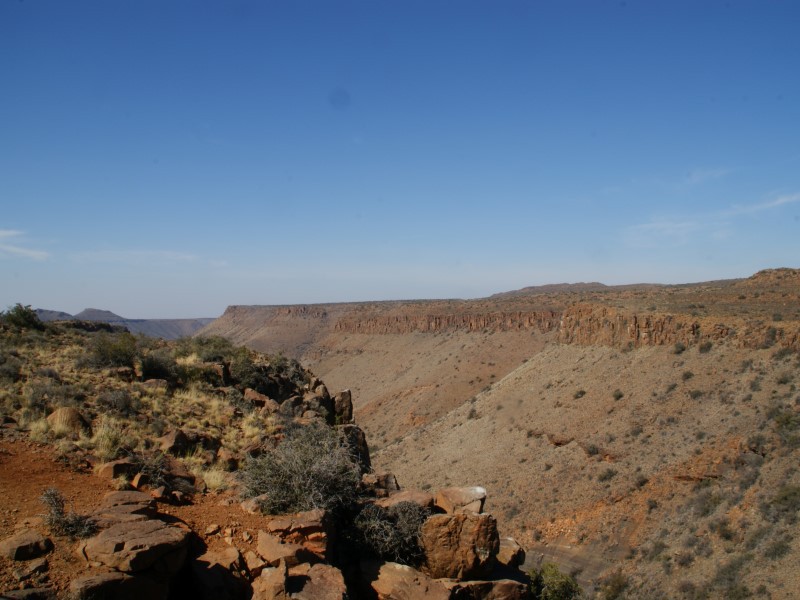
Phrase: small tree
{"type": "Point", "coordinates": [23, 317]}
{"type": "Point", "coordinates": [549, 583]}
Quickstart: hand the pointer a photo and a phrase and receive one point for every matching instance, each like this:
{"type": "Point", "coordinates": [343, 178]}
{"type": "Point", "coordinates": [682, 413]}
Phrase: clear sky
{"type": "Point", "coordinates": [164, 158]}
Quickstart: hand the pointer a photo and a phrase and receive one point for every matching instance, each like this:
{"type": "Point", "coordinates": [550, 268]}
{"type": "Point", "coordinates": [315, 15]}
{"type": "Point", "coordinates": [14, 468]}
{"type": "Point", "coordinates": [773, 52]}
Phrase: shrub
{"type": "Point", "coordinates": [119, 401]}
{"type": "Point", "coordinates": [109, 438]}
{"type": "Point", "coordinates": [687, 375]}
{"type": "Point", "coordinates": [207, 349]}
{"type": "Point", "coordinates": [313, 467]}
{"type": "Point", "coordinates": [614, 585]}
{"type": "Point", "coordinates": [23, 317]}
{"type": "Point", "coordinates": [617, 395]}
{"type": "Point", "coordinates": [607, 475]}
{"type": "Point", "coordinates": [159, 365]}
{"type": "Point", "coordinates": [393, 533]}
{"type": "Point", "coordinates": [549, 583]}
{"type": "Point", "coordinates": [579, 394]}
{"type": "Point", "coordinates": [679, 348]}
{"type": "Point", "coordinates": [10, 367]}
{"type": "Point", "coordinates": [62, 522]}
{"type": "Point", "coordinates": [112, 350]}
{"type": "Point", "coordinates": [784, 504]}
{"type": "Point", "coordinates": [705, 347]}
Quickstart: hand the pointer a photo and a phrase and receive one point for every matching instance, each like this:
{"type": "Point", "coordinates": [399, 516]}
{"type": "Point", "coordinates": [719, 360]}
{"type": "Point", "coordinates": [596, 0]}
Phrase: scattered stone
{"type": "Point", "coordinates": [462, 546]}
{"type": "Point", "coordinates": [247, 537]}
{"type": "Point", "coordinates": [212, 529]}
{"type": "Point", "coordinates": [217, 575]}
{"type": "Point", "coordinates": [253, 505]}
{"type": "Point", "coordinates": [273, 550]}
{"type": "Point", "coordinates": [254, 563]}
{"type": "Point", "coordinates": [454, 500]}
{"type": "Point", "coordinates": [29, 568]}
{"type": "Point", "coordinates": [322, 582]}
{"type": "Point", "coordinates": [174, 442]}
{"type": "Point", "coordinates": [313, 529]}
{"type": "Point", "coordinates": [271, 584]}
{"type": "Point", "coordinates": [25, 544]}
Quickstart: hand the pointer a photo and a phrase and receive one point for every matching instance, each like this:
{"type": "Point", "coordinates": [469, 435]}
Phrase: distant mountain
{"type": "Point", "coordinates": [169, 329]}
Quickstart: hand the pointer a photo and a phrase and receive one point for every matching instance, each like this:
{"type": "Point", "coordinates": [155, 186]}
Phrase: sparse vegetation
{"type": "Point", "coordinates": [313, 467]}
{"type": "Point", "coordinates": [549, 583]}
{"type": "Point", "coordinates": [62, 522]}
{"type": "Point", "coordinates": [392, 533]}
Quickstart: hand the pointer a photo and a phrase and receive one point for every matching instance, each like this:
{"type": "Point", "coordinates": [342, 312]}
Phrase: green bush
{"type": "Point", "coordinates": [113, 350]}
{"type": "Point", "coordinates": [23, 317]}
{"type": "Point", "coordinates": [207, 349]}
{"type": "Point", "coordinates": [313, 467]}
{"type": "Point", "coordinates": [10, 368]}
{"type": "Point", "coordinates": [548, 583]}
{"type": "Point", "coordinates": [159, 364]}
{"type": "Point", "coordinates": [392, 533]}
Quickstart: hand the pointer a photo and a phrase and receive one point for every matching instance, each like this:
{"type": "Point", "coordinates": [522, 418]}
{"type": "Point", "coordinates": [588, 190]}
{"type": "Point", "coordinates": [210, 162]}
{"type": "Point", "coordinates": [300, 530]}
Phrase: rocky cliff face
{"type": "Point", "coordinates": [542, 321]}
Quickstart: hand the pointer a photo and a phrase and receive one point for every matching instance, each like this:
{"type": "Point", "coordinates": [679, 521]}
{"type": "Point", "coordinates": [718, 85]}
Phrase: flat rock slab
{"type": "Point", "coordinates": [116, 586]}
{"type": "Point", "coordinates": [424, 499]}
{"type": "Point", "coordinates": [502, 589]}
{"type": "Point", "coordinates": [133, 547]}
{"type": "Point", "coordinates": [322, 582]}
{"type": "Point", "coordinates": [30, 594]}
{"type": "Point", "coordinates": [393, 581]}
{"type": "Point", "coordinates": [25, 544]}
{"type": "Point", "coordinates": [273, 550]}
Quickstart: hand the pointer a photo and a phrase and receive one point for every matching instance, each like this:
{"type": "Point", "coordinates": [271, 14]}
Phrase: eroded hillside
{"type": "Point", "coordinates": [647, 429]}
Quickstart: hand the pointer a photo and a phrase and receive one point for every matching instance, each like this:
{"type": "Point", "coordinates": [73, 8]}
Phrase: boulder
{"type": "Point", "coordinates": [322, 582]}
{"type": "Point", "coordinates": [462, 546]}
{"type": "Point", "coordinates": [273, 550]}
{"type": "Point", "coordinates": [25, 544]}
{"type": "Point", "coordinates": [256, 399]}
{"type": "Point", "coordinates": [116, 586]}
{"type": "Point", "coordinates": [67, 419]}
{"type": "Point", "coordinates": [174, 442]}
{"type": "Point", "coordinates": [118, 507]}
{"type": "Point", "coordinates": [134, 547]}
{"type": "Point", "coordinates": [343, 407]}
{"type": "Point", "coordinates": [124, 467]}
{"type": "Point", "coordinates": [393, 581]}
{"type": "Point", "coordinates": [511, 554]}
{"type": "Point", "coordinates": [380, 481]}
{"type": "Point", "coordinates": [417, 496]}
{"type": "Point", "coordinates": [292, 407]}
{"type": "Point", "coordinates": [31, 568]}
{"type": "Point", "coordinates": [313, 529]}
{"type": "Point", "coordinates": [502, 589]}
{"type": "Point", "coordinates": [454, 500]}
{"type": "Point", "coordinates": [254, 563]}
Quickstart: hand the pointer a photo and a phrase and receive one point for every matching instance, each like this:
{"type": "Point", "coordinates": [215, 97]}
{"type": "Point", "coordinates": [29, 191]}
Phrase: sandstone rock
{"type": "Point", "coordinates": [322, 582]}
{"type": "Point", "coordinates": [321, 391]}
{"type": "Point", "coordinates": [133, 547]}
{"type": "Point", "coordinates": [461, 499]}
{"type": "Point", "coordinates": [25, 544]}
{"type": "Point", "coordinates": [254, 563]}
{"type": "Point", "coordinates": [119, 507]}
{"type": "Point", "coordinates": [501, 589]}
{"type": "Point", "coordinates": [462, 546]}
{"type": "Point", "coordinates": [511, 554]}
{"type": "Point", "coordinates": [343, 407]}
{"type": "Point", "coordinates": [417, 496]}
{"type": "Point", "coordinates": [313, 529]}
{"type": "Point", "coordinates": [29, 568]}
{"type": "Point", "coordinates": [358, 444]}
{"type": "Point", "coordinates": [271, 584]}
{"type": "Point", "coordinates": [273, 550]}
{"type": "Point", "coordinates": [67, 418]}
{"type": "Point", "coordinates": [393, 581]}
{"type": "Point", "coordinates": [174, 442]}
{"type": "Point", "coordinates": [124, 467]}
{"type": "Point", "coordinates": [116, 586]}
{"type": "Point", "coordinates": [292, 407]}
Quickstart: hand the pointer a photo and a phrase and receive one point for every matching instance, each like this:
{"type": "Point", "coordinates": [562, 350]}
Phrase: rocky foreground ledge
{"type": "Point", "coordinates": [141, 552]}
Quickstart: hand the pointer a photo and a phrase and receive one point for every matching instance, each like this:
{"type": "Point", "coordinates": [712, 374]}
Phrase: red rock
{"type": "Point", "coordinates": [118, 586]}
{"type": "Point", "coordinates": [418, 497]}
{"type": "Point", "coordinates": [123, 467]}
{"type": "Point", "coordinates": [273, 550]}
{"type": "Point", "coordinates": [511, 554]}
{"type": "Point", "coordinates": [393, 581]}
{"type": "Point", "coordinates": [462, 546]}
{"type": "Point", "coordinates": [25, 544]}
{"type": "Point", "coordinates": [501, 589]}
{"type": "Point", "coordinates": [271, 584]}
{"type": "Point", "coordinates": [322, 582]}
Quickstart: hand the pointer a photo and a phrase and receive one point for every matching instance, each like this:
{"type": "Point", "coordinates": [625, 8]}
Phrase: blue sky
{"type": "Point", "coordinates": [168, 158]}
